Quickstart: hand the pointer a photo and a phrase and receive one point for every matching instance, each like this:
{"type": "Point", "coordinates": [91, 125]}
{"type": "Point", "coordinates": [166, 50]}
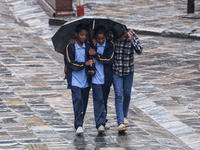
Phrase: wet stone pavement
{"type": "Point", "coordinates": [36, 108]}
{"type": "Point", "coordinates": [166, 18]}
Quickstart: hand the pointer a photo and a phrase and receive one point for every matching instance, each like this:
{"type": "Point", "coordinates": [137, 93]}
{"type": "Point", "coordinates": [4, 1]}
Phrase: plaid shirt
{"type": "Point", "coordinates": [124, 54]}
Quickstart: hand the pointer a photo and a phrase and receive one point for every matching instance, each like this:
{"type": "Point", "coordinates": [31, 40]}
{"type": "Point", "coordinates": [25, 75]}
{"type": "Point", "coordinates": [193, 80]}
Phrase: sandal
{"type": "Point", "coordinates": [126, 122]}
{"type": "Point", "coordinates": [122, 127]}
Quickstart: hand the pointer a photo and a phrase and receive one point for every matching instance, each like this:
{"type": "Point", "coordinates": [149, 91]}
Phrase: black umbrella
{"type": "Point", "coordinates": [67, 31]}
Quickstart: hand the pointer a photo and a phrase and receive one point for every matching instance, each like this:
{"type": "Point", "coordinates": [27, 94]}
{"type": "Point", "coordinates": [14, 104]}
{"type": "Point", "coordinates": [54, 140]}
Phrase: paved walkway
{"type": "Point", "coordinates": [36, 110]}
{"type": "Point", "coordinates": [166, 18]}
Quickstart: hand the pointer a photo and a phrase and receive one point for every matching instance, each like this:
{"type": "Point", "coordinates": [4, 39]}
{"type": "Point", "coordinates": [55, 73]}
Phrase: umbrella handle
{"type": "Point", "coordinates": [90, 59]}
{"type": "Point", "coordinates": [93, 24]}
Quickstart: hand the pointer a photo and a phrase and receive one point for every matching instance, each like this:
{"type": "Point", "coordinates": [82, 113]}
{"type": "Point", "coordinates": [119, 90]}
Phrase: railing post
{"type": "Point", "coordinates": [190, 6]}
{"type": "Point", "coordinates": [80, 7]}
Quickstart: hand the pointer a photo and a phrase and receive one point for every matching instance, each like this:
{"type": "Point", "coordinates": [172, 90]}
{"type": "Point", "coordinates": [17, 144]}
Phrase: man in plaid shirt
{"type": "Point", "coordinates": [126, 42]}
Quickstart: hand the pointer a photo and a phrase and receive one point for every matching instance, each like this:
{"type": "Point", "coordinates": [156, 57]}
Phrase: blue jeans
{"type": "Point", "coordinates": [122, 87]}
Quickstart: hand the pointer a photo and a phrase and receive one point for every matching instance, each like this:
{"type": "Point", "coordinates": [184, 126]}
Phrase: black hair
{"type": "Point", "coordinates": [100, 30]}
{"type": "Point", "coordinates": [80, 27]}
{"type": "Point", "coordinates": [119, 30]}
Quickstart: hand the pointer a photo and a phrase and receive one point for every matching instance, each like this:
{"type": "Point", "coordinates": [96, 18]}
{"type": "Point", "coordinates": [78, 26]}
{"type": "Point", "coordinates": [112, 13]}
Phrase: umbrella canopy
{"type": "Point", "coordinates": [67, 31]}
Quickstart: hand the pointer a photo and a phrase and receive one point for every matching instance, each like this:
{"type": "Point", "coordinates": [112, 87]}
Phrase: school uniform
{"type": "Point", "coordinates": [102, 79]}
{"type": "Point", "coordinates": [78, 79]}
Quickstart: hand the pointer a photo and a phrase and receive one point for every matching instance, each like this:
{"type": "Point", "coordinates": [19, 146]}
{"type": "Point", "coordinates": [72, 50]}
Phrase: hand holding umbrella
{"type": "Point", "coordinates": [89, 63]}
{"type": "Point", "coordinates": [94, 41]}
{"type": "Point", "coordinates": [130, 34]}
{"type": "Point", "coordinates": [92, 52]}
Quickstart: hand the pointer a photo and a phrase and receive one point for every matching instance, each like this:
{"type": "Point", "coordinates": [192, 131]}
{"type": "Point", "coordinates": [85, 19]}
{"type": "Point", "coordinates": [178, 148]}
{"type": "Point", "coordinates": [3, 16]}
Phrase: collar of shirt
{"type": "Point", "coordinates": [103, 45]}
{"type": "Point", "coordinates": [78, 47]}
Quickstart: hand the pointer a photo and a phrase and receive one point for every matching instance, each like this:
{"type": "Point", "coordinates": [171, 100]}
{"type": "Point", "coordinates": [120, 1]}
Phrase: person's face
{"type": "Point", "coordinates": [81, 36]}
{"type": "Point", "coordinates": [121, 38]}
{"type": "Point", "coordinates": [101, 38]}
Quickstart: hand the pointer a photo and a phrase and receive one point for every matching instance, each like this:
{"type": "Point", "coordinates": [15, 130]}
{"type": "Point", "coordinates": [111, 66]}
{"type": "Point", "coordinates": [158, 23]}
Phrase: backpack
{"type": "Point", "coordinates": [65, 63]}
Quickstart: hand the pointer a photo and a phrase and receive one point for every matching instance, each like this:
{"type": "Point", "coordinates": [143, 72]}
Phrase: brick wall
{"type": "Point", "coordinates": [57, 7]}
{"type": "Point", "coordinates": [61, 5]}
{"type": "Point", "coordinates": [66, 3]}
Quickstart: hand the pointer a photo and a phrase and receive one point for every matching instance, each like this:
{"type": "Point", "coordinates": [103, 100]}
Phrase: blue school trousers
{"type": "Point", "coordinates": [99, 107]}
{"type": "Point", "coordinates": [106, 91]}
{"type": "Point", "coordinates": [80, 101]}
